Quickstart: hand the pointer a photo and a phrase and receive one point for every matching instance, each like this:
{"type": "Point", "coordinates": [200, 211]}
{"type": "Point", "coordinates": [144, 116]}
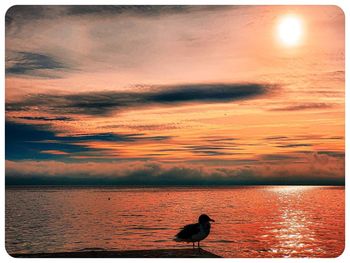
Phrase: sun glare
{"type": "Point", "coordinates": [290, 30]}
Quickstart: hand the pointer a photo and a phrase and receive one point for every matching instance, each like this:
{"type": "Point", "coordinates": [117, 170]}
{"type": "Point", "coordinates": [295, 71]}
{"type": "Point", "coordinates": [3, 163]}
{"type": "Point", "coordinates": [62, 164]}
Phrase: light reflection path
{"type": "Point", "coordinates": [294, 234]}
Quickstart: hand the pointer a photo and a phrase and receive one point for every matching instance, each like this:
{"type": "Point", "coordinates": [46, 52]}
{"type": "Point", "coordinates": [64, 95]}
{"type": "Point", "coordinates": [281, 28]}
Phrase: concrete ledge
{"type": "Point", "coordinates": [157, 253]}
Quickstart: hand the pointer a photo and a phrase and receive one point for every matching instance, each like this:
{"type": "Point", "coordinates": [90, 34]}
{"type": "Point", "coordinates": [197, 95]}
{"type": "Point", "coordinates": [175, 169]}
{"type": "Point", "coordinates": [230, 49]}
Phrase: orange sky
{"type": "Point", "coordinates": [211, 90]}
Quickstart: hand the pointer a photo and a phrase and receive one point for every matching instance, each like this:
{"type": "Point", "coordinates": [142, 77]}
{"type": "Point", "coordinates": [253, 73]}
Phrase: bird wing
{"type": "Point", "coordinates": [188, 231]}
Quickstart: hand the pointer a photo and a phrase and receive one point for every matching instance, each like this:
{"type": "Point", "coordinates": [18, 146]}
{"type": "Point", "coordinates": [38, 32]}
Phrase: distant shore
{"type": "Point", "coordinates": [156, 253]}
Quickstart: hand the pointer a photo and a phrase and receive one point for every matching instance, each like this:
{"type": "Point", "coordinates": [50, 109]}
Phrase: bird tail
{"type": "Point", "coordinates": [177, 239]}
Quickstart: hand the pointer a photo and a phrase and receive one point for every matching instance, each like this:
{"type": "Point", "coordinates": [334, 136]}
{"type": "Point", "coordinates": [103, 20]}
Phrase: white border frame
{"type": "Point", "coordinates": [6, 4]}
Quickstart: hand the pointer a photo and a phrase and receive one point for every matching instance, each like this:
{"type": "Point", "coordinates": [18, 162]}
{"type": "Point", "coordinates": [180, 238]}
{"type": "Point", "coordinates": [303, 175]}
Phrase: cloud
{"type": "Point", "coordinates": [141, 10]}
{"type": "Point", "coordinates": [33, 64]}
{"type": "Point", "coordinates": [296, 140]}
{"type": "Point", "coordinates": [43, 118]}
{"type": "Point", "coordinates": [220, 139]}
{"type": "Point", "coordinates": [105, 102]}
{"type": "Point", "coordinates": [30, 172]}
{"type": "Point", "coordinates": [151, 127]}
{"type": "Point", "coordinates": [304, 106]}
{"type": "Point", "coordinates": [334, 138]}
{"type": "Point", "coordinates": [22, 13]}
{"type": "Point", "coordinates": [332, 153]}
{"type": "Point", "coordinates": [278, 157]}
{"type": "Point", "coordinates": [294, 145]}
{"type": "Point", "coordinates": [113, 137]}
{"type": "Point", "coordinates": [213, 149]}
{"type": "Point", "coordinates": [24, 141]}
{"type": "Point", "coordinates": [109, 44]}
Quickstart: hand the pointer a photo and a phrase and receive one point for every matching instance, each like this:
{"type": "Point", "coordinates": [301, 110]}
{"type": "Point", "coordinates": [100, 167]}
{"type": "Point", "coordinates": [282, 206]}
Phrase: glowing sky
{"type": "Point", "coordinates": [174, 94]}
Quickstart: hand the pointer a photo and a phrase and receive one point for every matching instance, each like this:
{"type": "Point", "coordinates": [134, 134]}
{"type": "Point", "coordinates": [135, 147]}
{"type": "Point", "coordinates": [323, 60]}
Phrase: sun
{"type": "Point", "coordinates": [290, 30]}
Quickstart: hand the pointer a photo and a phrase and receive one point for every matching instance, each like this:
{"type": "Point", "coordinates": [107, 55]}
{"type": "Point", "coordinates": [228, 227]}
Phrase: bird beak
{"type": "Point", "coordinates": [212, 220]}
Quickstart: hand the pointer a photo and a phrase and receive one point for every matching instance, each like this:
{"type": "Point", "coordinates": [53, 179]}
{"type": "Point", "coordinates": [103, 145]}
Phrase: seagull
{"type": "Point", "coordinates": [195, 232]}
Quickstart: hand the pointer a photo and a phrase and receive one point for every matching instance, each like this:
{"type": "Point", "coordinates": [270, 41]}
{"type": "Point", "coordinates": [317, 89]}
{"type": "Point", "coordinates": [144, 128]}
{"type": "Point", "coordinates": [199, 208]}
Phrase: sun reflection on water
{"type": "Point", "coordinates": [291, 189]}
{"type": "Point", "coordinates": [293, 234]}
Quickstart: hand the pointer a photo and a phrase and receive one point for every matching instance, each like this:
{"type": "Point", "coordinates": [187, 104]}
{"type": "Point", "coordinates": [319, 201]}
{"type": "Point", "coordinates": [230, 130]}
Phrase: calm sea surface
{"type": "Point", "coordinates": [272, 221]}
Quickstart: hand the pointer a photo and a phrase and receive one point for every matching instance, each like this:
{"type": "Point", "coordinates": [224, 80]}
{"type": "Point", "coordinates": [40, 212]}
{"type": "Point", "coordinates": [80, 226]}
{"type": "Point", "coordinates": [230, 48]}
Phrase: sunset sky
{"type": "Point", "coordinates": [175, 95]}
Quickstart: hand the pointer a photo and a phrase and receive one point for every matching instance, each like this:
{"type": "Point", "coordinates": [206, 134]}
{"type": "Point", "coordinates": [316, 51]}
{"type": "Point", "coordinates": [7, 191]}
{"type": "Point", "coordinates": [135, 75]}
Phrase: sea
{"type": "Point", "coordinates": [250, 221]}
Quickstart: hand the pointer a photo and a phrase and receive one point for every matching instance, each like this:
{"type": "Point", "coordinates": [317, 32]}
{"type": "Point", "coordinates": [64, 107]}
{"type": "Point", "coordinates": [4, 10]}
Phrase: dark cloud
{"type": "Point", "coordinates": [103, 103]}
{"type": "Point", "coordinates": [112, 137]}
{"type": "Point", "coordinates": [28, 63]}
{"type": "Point", "coordinates": [304, 106]}
{"type": "Point", "coordinates": [207, 92]}
{"type": "Point", "coordinates": [337, 154]}
{"type": "Point", "coordinates": [150, 127]}
{"type": "Point", "coordinates": [278, 157]}
{"type": "Point", "coordinates": [211, 150]}
{"type": "Point", "coordinates": [211, 153]}
{"type": "Point", "coordinates": [24, 141]}
{"type": "Point", "coordinates": [156, 175]}
{"type": "Point", "coordinates": [42, 118]}
{"type": "Point", "coordinates": [28, 141]}
{"type": "Point", "coordinates": [334, 138]}
{"type": "Point", "coordinates": [294, 145]}
{"type": "Point", "coordinates": [23, 13]}
{"type": "Point", "coordinates": [298, 138]}
{"type": "Point", "coordinates": [218, 139]}
{"type": "Point", "coordinates": [142, 10]}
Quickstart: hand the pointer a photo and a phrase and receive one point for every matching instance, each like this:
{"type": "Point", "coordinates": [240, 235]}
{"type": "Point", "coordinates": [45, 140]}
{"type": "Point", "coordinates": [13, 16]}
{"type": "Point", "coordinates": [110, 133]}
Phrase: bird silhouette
{"type": "Point", "coordinates": [195, 232]}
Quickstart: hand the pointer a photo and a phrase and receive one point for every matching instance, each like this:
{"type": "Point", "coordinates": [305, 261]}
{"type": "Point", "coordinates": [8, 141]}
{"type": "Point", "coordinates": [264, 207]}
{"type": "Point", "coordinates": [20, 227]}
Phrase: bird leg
{"type": "Point", "coordinates": [193, 244]}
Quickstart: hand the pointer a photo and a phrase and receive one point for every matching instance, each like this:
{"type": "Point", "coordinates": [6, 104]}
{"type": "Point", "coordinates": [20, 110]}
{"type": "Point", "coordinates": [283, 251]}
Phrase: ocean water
{"type": "Point", "coordinates": [266, 221]}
